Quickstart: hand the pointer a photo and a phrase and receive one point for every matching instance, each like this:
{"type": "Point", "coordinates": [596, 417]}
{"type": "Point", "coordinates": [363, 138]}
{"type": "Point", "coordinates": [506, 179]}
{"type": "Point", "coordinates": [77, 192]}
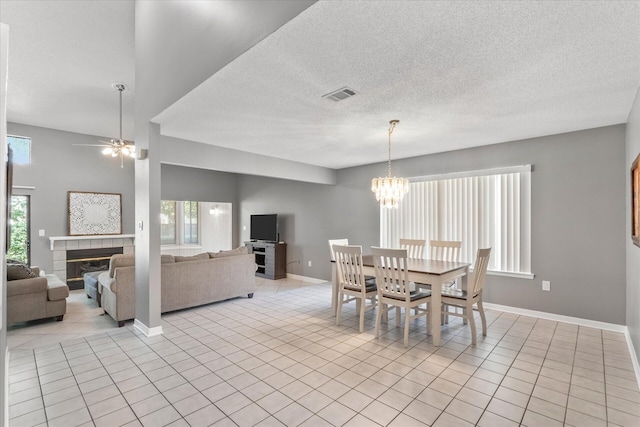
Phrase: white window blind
{"type": "Point", "coordinates": [481, 209]}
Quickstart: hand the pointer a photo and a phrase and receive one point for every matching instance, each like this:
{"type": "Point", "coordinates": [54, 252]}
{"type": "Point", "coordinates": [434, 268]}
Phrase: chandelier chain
{"type": "Point", "coordinates": [392, 126]}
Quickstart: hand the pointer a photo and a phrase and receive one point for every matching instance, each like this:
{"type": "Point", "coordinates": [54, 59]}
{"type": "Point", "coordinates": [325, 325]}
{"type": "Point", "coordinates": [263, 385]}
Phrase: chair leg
{"type": "Point", "coordinates": [483, 318]}
{"type": "Point", "coordinates": [339, 308]}
{"type": "Point", "coordinates": [363, 306]}
{"type": "Point", "coordinates": [381, 307]}
{"type": "Point", "coordinates": [469, 314]}
{"type": "Point", "coordinates": [407, 320]}
{"type": "Point", "coordinates": [398, 316]}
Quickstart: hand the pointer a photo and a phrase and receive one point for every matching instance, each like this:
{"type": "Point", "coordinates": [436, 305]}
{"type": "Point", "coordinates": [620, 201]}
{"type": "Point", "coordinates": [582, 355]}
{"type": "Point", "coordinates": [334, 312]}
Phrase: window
{"type": "Point", "coordinates": [179, 222]}
{"type": "Point", "coordinates": [21, 146]}
{"type": "Point", "coordinates": [489, 208]}
{"type": "Point", "coordinates": [190, 216]}
{"type": "Point", "coordinates": [167, 222]}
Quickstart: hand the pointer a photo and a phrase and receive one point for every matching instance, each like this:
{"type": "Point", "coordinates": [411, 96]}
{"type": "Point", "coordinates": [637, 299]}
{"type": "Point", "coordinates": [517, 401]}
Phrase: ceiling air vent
{"type": "Point", "coordinates": [340, 94]}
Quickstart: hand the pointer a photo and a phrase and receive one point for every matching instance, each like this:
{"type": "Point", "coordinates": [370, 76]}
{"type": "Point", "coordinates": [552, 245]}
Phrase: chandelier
{"type": "Point", "coordinates": [390, 190]}
{"type": "Point", "coordinates": [119, 147]}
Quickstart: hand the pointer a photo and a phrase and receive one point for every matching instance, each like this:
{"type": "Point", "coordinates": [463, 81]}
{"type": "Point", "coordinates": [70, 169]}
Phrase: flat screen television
{"type": "Point", "coordinates": [264, 227]}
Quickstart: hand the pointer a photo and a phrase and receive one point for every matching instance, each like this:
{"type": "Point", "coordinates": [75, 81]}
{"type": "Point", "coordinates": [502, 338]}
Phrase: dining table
{"type": "Point", "coordinates": [426, 273]}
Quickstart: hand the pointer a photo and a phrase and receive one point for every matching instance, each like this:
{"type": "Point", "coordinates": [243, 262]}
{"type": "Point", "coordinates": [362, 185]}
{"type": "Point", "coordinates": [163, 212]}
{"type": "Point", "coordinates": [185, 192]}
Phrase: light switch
{"type": "Point", "coordinates": [41, 233]}
{"type": "Point", "coordinates": [140, 225]}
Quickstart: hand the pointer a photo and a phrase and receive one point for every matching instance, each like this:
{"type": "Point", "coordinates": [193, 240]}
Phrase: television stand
{"type": "Point", "coordinates": [271, 258]}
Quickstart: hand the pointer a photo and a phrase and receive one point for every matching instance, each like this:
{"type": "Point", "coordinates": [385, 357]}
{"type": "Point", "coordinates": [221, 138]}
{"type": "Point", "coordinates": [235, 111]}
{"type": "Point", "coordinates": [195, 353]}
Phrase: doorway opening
{"type": "Point", "coordinates": [20, 248]}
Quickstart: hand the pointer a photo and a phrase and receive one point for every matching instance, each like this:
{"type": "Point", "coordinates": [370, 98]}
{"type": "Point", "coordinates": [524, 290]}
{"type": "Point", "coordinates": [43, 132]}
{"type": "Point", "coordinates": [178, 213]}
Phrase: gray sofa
{"type": "Point", "coordinates": [185, 281]}
{"type": "Point", "coordinates": [34, 298]}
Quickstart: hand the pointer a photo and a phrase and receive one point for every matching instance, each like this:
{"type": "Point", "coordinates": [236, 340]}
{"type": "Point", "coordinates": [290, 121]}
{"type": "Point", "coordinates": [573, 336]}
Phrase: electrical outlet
{"type": "Point", "coordinates": [546, 285]}
{"type": "Point", "coordinates": [41, 233]}
{"type": "Point", "coordinates": [309, 263]}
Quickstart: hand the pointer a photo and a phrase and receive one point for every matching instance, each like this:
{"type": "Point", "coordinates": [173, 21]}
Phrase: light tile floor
{"type": "Point", "coordinates": [279, 359]}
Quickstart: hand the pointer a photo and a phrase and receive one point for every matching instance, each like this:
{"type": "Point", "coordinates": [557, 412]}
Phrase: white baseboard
{"type": "Point", "coordinates": [305, 278]}
{"type": "Point", "coordinates": [147, 331]}
{"type": "Point", "coordinates": [557, 317]}
{"type": "Point", "coordinates": [575, 321]}
{"type": "Point", "coordinates": [634, 356]}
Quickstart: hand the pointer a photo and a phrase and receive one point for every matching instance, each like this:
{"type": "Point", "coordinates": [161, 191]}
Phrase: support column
{"type": "Point", "coordinates": [148, 286]}
{"type": "Point", "coordinates": [4, 351]}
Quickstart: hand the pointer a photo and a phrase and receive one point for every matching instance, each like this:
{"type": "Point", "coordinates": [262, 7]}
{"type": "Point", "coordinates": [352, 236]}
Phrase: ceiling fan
{"type": "Point", "coordinates": [117, 147]}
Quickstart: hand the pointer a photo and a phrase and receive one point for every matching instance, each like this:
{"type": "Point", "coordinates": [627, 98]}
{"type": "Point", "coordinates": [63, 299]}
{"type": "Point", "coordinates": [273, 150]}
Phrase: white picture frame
{"type": "Point", "coordinates": [94, 213]}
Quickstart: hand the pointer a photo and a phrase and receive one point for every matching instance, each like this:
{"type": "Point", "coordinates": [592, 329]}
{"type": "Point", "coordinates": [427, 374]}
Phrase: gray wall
{"type": "Point", "coordinates": [578, 209]}
{"type": "Point", "coordinates": [182, 183]}
{"type": "Point", "coordinates": [57, 166]}
{"type": "Point", "coordinates": [578, 233]}
{"type": "Point", "coordinates": [633, 252]}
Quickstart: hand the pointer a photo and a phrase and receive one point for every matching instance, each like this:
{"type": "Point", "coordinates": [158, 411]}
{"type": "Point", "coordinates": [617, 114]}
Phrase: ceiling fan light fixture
{"type": "Point", "coordinates": [120, 147]}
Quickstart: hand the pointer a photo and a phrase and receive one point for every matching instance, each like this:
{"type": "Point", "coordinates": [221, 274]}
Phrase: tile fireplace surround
{"type": "Point", "coordinates": [60, 245]}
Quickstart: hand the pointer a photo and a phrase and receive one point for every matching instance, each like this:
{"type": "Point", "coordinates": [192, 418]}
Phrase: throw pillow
{"type": "Point", "coordinates": [191, 258]}
{"type": "Point", "coordinates": [19, 271]}
{"type": "Point", "coordinates": [237, 251]}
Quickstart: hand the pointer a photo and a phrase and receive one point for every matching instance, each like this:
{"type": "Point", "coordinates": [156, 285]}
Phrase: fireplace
{"type": "Point", "coordinates": [82, 261]}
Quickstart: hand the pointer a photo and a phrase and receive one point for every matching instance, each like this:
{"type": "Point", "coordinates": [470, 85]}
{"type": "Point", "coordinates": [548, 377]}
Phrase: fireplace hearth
{"type": "Point", "coordinates": [82, 261]}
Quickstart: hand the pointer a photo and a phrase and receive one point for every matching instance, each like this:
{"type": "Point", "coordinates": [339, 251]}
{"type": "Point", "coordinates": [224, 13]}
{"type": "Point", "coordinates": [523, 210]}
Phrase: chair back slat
{"type": "Point", "coordinates": [392, 276]}
{"type": "Point", "coordinates": [445, 250]}
{"type": "Point", "coordinates": [341, 242]}
{"type": "Point", "coordinates": [349, 263]}
{"type": "Point", "coordinates": [480, 270]}
{"type": "Point", "coordinates": [414, 247]}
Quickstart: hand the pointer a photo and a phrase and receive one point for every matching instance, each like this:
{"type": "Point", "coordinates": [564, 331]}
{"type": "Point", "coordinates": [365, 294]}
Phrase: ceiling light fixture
{"type": "Point", "coordinates": [120, 147]}
{"type": "Point", "coordinates": [390, 190]}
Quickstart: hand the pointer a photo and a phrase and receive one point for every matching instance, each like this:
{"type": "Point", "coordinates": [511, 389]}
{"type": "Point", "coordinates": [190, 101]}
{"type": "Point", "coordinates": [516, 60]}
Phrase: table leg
{"type": "Point", "coordinates": [435, 314]}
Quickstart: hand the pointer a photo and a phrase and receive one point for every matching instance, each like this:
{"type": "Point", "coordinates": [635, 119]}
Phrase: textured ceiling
{"type": "Point", "coordinates": [63, 58]}
{"type": "Point", "coordinates": [456, 75]}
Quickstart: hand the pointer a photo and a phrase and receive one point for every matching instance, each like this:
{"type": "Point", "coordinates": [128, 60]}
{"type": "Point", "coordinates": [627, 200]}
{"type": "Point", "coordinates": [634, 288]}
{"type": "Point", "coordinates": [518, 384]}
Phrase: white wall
{"type": "Point", "coordinates": [216, 227]}
{"type": "Point", "coordinates": [633, 252]}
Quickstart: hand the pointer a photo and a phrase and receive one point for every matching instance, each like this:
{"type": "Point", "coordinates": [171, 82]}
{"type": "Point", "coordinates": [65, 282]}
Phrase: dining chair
{"type": "Point", "coordinates": [352, 283]}
{"type": "Point", "coordinates": [394, 289]}
{"type": "Point", "coordinates": [345, 242]}
{"type": "Point", "coordinates": [472, 295]}
{"type": "Point", "coordinates": [341, 242]}
{"type": "Point", "coordinates": [414, 247]}
{"type": "Point", "coordinates": [445, 250]}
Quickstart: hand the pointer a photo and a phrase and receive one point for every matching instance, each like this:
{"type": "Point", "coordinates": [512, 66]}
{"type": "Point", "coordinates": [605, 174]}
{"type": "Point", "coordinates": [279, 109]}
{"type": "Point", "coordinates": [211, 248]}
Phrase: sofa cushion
{"type": "Point", "coordinates": [26, 286]}
{"type": "Point", "coordinates": [121, 260]}
{"type": "Point", "coordinates": [56, 288]}
{"type": "Point", "coordinates": [164, 259]}
{"type": "Point", "coordinates": [191, 258]}
{"type": "Point", "coordinates": [242, 250]}
{"type": "Point", "coordinates": [19, 271]}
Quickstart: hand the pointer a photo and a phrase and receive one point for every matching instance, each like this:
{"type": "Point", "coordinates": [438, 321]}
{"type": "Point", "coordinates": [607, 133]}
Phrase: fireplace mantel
{"type": "Point", "coordinates": [53, 239]}
{"type": "Point", "coordinates": [61, 244]}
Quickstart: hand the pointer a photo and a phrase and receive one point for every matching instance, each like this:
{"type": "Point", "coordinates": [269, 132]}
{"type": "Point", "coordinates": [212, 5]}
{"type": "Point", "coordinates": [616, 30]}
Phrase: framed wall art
{"type": "Point", "coordinates": [635, 201]}
{"type": "Point", "coordinates": [94, 213]}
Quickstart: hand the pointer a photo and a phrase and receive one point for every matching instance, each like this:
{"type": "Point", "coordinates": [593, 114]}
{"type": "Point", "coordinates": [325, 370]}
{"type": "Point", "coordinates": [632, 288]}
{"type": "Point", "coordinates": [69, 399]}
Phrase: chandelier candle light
{"type": "Point", "coordinates": [390, 190]}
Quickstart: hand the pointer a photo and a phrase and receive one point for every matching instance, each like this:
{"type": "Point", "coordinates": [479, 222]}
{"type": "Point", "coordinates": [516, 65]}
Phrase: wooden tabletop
{"type": "Point", "coordinates": [430, 266]}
